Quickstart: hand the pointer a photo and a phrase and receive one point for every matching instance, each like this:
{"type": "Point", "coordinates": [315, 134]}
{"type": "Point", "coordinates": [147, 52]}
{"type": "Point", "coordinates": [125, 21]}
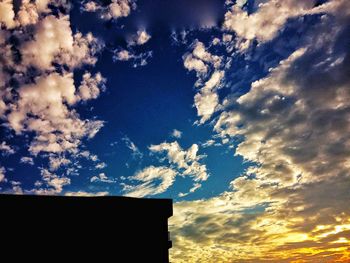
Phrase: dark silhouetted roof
{"type": "Point", "coordinates": [107, 229]}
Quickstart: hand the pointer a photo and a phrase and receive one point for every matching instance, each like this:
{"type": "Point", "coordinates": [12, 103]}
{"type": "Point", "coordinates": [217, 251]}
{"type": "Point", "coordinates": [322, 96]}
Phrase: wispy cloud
{"type": "Point", "coordinates": [136, 153]}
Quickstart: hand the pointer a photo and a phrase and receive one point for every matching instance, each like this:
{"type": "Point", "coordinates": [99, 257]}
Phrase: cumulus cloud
{"type": "Point", "coordinates": [54, 42]}
{"type": "Point", "coordinates": [210, 76]}
{"type": "Point", "coordinates": [55, 162]}
{"type": "Point", "coordinates": [38, 93]}
{"type": "Point", "coordinates": [90, 86]}
{"type": "Point", "coordinates": [186, 161]}
{"type": "Point", "coordinates": [42, 108]}
{"type": "Point", "coordinates": [207, 100]}
{"type": "Point", "coordinates": [200, 59]}
{"type": "Point", "coordinates": [114, 10]}
{"type": "Point", "coordinates": [7, 14]}
{"type": "Point", "coordinates": [55, 183]}
{"type": "Point", "coordinates": [292, 202]}
{"type": "Point", "coordinates": [140, 38]}
{"type": "Point", "coordinates": [123, 55]}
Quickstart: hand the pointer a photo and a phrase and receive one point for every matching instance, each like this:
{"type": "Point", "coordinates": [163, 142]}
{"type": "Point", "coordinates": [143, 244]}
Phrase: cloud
{"type": "Point", "coordinates": [186, 161]}
{"type": "Point", "coordinates": [2, 175]}
{"type": "Point", "coordinates": [295, 225]}
{"type": "Point", "coordinates": [140, 38]}
{"type": "Point", "coordinates": [27, 160]}
{"type": "Point", "coordinates": [209, 143]}
{"type": "Point", "coordinates": [40, 55]}
{"type": "Point", "coordinates": [90, 86]}
{"type": "Point", "coordinates": [136, 153]}
{"type": "Point", "coordinates": [192, 190]}
{"type": "Point", "coordinates": [6, 149]}
{"type": "Point", "coordinates": [114, 10]}
{"type": "Point", "coordinates": [101, 165]}
{"type": "Point", "coordinates": [176, 134]}
{"type": "Point", "coordinates": [41, 108]}
{"type": "Point", "coordinates": [83, 193]}
{"type": "Point", "coordinates": [102, 178]}
{"type": "Point", "coordinates": [203, 62]}
{"type": "Point", "coordinates": [270, 17]}
{"type": "Point", "coordinates": [7, 14]}
{"type": "Point", "coordinates": [200, 59]}
{"type": "Point", "coordinates": [153, 180]}
{"type": "Point", "coordinates": [291, 204]}
{"type": "Point", "coordinates": [54, 182]}
{"type": "Point", "coordinates": [137, 60]}
{"type": "Point", "coordinates": [55, 162]}
{"type": "Point", "coordinates": [123, 55]}
{"type": "Point", "coordinates": [54, 42]}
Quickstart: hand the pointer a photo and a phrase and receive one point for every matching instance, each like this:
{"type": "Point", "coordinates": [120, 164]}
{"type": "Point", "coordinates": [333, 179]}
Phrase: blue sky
{"type": "Point", "coordinates": [237, 110]}
{"type": "Point", "coordinates": [144, 103]}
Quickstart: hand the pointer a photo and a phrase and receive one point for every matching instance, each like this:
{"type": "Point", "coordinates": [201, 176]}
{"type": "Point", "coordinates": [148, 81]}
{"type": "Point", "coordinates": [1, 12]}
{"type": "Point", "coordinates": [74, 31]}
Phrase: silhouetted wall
{"type": "Point", "coordinates": [81, 229]}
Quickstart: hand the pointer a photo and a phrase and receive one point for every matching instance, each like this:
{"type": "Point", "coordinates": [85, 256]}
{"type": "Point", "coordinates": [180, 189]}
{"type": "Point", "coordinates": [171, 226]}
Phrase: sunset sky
{"type": "Point", "coordinates": [237, 110]}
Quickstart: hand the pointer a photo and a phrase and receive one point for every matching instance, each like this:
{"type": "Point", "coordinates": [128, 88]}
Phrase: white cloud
{"type": "Point", "coordinates": [200, 52]}
{"type": "Point", "coordinates": [192, 190]}
{"type": "Point", "coordinates": [157, 179]}
{"type": "Point", "coordinates": [7, 14]}
{"type": "Point", "coordinates": [83, 193]}
{"type": "Point", "coordinates": [206, 104]}
{"type": "Point", "coordinates": [153, 180]}
{"type": "Point", "coordinates": [55, 162]}
{"type": "Point", "coordinates": [101, 165]}
{"type": "Point", "coordinates": [102, 178]}
{"type": "Point", "coordinates": [208, 143]}
{"type": "Point", "coordinates": [54, 42]}
{"type": "Point", "coordinates": [192, 63]}
{"type": "Point", "coordinates": [116, 9]}
{"type": "Point", "coordinates": [123, 55]}
{"type": "Point", "coordinates": [6, 149]}
{"type": "Point", "coordinates": [27, 160]}
{"type": "Point", "coordinates": [27, 14]}
{"type": "Point", "coordinates": [91, 85]}
{"type": "Point", "coordinates": [187, 161]}
{"type": "Point", "coordinates": [176, 134]}
{"type": "Point", "coordinates": [44, 98]}
{"type": "Point", "coordinates": [270, 17]}
{"type": "Point", "coordinates": [53, 181]}
{"type": "Point", "coordinates": [51, 36]}
{"type": "Point", "coordinates": [140, 38]}
{"type": "Point", "coordinates": [200, 60]}
{"type": "Point", "coordinates": [2, 175]}
{"type": "Point", "coordinates": [137, 60]}
{"type": "Point", "coordinates": [45, 101]}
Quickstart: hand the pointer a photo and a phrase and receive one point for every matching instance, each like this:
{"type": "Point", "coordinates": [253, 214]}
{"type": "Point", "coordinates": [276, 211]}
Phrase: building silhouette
{"type": "Point", "coordinates": [84, 229]}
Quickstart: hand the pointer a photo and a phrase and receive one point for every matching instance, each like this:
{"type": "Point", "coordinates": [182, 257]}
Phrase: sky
{"type": "Point", "coordinates": [237, 110]}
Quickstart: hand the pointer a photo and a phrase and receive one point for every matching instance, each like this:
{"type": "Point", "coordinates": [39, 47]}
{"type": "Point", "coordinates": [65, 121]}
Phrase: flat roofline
{"type": "Point", "coordinates": [165, 204]}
